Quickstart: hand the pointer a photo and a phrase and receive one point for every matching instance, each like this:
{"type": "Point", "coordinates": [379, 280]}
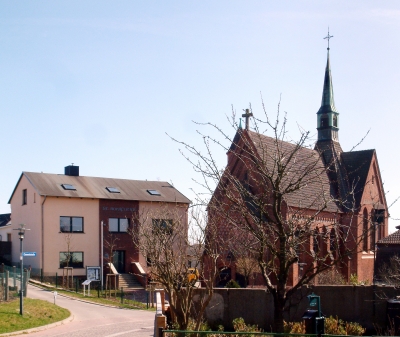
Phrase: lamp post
{"type": "Point", "coordinates": [21, 232]}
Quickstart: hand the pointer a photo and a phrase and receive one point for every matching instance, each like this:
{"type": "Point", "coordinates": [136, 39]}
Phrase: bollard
{"type": "Point", "coordinates": [147, 299]}
{"type": "Point", "coordinates": [6, 293]}
{"type": "Point", "coordinates": [76, 285]}
{"type": "Point", "coordinates": [98, 290]}
{"type": "Point", "coordinates": [122, 295]}
{"type": "Point", "coordinates": [14, 276]}
{"type": "Point", "coordinates": [41, 275]}
{"type": "Point", "coordinates": [56, 281]}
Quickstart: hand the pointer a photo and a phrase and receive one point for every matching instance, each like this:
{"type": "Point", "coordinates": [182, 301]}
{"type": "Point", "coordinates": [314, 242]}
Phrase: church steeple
{"type": "Point", "coordinates": [327, 115]}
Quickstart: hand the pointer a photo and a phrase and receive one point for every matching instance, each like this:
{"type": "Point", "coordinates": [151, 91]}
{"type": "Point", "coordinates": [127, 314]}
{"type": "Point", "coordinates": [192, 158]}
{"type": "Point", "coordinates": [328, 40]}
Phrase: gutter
{"type": "Point", "coordinates": [42, 220]}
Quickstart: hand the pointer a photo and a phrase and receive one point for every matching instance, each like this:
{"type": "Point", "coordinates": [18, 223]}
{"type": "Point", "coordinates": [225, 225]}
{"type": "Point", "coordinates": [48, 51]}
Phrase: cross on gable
{"type": "Point", "coordinates": [247, 115]}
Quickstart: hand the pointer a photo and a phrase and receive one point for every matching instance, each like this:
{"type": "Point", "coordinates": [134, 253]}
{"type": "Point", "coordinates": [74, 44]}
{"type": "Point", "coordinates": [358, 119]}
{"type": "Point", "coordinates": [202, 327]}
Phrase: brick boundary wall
{"type": "Point", "coordinates": [350, 303]}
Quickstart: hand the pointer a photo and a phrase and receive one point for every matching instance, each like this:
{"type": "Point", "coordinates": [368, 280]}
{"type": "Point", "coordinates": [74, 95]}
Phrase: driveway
{"type": "Point", "coordinates": [94, 320]}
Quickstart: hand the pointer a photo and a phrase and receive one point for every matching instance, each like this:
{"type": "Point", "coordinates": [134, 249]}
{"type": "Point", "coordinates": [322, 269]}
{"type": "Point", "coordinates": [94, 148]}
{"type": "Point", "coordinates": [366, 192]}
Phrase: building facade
{"type": "Point", "coordinates": [75, 220]}
{"type": "Point", "coordinates": [336, 197]}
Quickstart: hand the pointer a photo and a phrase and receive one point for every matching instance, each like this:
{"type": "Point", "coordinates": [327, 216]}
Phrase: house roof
{"type": "Point", "coordinates": [314, 188]}
{"type": "Point", "coordinates": [47, 184]}
{"type": "Point", "coordinates": [5, 219]}
{"type": "Point", "coordinates": [392, 239]}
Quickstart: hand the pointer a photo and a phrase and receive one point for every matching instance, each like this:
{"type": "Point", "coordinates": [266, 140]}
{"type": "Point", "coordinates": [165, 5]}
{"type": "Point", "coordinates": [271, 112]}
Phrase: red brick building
{"type": "Point", "coordinates": [325, 189]}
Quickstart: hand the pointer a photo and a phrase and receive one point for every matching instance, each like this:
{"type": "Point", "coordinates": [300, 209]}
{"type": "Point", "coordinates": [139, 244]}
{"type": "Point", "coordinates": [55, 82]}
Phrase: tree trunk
{"type": "Point", "coordinates": [279, 305]}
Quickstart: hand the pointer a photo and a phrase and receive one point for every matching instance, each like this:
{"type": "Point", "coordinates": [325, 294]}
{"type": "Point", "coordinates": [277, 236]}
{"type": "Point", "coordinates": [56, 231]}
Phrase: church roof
{"type": "Point", "coordinates": [328, 101]}
{"type": "Point", "coordinates": [316, 185]}
{"type": "Point", "coordinates": [357, 165]}
{"type": "Point", "coordinates": [392, 239]}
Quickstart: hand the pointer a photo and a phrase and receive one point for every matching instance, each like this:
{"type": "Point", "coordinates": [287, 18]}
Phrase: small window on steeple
{"type": "Point", "coordinates": [335, 121]}
{"type": "Point", "coordinates": [324, 121]}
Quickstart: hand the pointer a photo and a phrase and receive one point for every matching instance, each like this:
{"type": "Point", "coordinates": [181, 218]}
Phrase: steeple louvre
{"type": "Point", "coordinates": [327, 115]}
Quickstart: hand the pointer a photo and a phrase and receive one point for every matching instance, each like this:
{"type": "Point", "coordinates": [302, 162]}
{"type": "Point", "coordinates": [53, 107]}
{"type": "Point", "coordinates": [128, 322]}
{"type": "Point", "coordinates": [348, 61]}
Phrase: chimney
{"type": "Point", "coordinates": [71, 170]}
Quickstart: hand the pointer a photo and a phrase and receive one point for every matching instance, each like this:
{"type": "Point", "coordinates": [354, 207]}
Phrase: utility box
{"type": "Point", "coordinates": [314, 324]}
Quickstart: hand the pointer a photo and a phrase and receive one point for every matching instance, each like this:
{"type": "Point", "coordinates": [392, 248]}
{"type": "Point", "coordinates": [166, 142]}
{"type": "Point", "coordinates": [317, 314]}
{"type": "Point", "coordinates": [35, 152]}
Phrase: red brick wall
{"type": "Point", "coordinates": [123, 241]}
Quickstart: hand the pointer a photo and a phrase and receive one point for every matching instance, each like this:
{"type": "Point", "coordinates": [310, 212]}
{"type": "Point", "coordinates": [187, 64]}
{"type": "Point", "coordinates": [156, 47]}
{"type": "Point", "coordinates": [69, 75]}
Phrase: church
{"type": "Point", "coordinates": [304, 211]}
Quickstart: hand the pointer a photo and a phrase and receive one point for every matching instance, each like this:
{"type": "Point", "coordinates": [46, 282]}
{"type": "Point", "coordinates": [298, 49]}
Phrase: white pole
{"type": "Point", "coordinates": [101, 258]}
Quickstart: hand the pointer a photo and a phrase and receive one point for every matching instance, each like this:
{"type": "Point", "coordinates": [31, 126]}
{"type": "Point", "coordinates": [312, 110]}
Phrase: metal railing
{"type": "Point", "coordinates": [180, 333]}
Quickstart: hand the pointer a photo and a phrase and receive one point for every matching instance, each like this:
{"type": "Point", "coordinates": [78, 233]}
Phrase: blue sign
{"type": "Point", "coordinates": [29, 253]}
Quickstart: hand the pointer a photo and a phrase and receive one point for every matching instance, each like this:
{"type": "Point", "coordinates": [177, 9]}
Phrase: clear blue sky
{"type": "Point", "coordinates": [99, 83]}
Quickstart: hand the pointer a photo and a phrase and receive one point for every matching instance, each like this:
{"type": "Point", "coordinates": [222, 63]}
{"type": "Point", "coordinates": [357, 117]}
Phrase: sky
{"type": "Point", "coordinates": [102, 84]}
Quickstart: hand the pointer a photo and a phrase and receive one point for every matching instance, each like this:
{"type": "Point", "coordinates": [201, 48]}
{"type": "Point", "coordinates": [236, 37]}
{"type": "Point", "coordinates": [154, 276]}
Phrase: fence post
{"type": "Point", "coordinates": [7, 289]}
{"type": "Point", "coordinates": [76, 285]}
{"type": "Point", "coordinates": [56, 280]}
{"type": "Point", "coordinates": [15, 276]}
{"type": "Point", "coordinates": [98, 290]}
{"type": "Point", "coordinates": [122, 295]}
{"type": "Point", "coordinates": [41, 275]}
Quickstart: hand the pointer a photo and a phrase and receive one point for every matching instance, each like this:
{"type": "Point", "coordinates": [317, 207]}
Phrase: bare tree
{"type": "Point", "coordinates": [161, 234]}
{"type": "Point", "coordinates": [389, 273]}
{"type": "Point", "coordinates": [281, 202]}
{"type": "Point", "coordinates": [247, 265]}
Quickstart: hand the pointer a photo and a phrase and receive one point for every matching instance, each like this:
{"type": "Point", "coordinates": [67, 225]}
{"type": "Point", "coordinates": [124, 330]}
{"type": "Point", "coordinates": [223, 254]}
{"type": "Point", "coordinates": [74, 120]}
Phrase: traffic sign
{"type": "Point", "coordinates": [29, 253]}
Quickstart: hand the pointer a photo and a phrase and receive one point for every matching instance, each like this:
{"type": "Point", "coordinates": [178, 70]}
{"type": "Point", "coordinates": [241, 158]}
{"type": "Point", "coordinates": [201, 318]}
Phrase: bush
{"type": "Point", "coordinates": [336, 326]}
{"type": "Point", "coordinates": [240, 326]}
{"type": "Point", "coordinates": [294, 327]}
{"type": "Point", "coordinates": [232, 284]}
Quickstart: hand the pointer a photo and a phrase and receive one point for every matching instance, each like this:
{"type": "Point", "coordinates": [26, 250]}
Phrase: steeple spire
{"type": "Point", "coordinates": [327, 114]}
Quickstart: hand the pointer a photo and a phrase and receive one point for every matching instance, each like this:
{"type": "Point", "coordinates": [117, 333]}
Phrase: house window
{"type": "Point", "coordinates": [68, 187]}
{"type": "Point", "coordinates": [153, 192]}
{"type": "Point", "coordinates": [24, 197]}
{"type": "Point", "coordinates": [113, 190]}
{"type": "Point", "coordinates": [119, 225]}
{"type": "Point", "coordinates": [163, 225]}
{"type": "Point", "coordinates": [70, 224]}
{"type": "Point", "coordinates": [71, 259]}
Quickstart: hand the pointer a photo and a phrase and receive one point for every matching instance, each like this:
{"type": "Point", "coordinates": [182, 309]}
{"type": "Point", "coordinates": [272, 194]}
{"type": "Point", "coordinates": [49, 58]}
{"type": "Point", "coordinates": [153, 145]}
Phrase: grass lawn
{"type": "Point", "coordinates": [114, 300]}
{"type": "Point", "coordinates": [36, 313]}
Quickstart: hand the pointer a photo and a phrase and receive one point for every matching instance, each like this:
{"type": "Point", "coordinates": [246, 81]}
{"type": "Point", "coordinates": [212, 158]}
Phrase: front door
{"type": "Point", "coordinates": [119, 260]}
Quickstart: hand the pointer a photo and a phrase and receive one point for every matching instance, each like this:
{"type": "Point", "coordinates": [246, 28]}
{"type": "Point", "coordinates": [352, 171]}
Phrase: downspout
{"type": "Point", "coordinates": [42, 252]}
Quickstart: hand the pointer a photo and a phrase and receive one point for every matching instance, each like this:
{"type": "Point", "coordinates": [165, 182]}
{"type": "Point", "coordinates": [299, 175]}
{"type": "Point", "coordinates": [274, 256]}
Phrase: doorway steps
{"type": "Point", "coordinates": [129, 282]}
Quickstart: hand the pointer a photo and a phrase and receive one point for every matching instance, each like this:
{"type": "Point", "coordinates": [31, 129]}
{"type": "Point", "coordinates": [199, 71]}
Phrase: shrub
{"type": "Point", "coordinates": [336, 326]}
{"type": "Point", "coordinates": [294, 327]}
{"type": "Point", "coordinates": [232, 284]}
{"type": "Point", "coordinates": [240, 326]}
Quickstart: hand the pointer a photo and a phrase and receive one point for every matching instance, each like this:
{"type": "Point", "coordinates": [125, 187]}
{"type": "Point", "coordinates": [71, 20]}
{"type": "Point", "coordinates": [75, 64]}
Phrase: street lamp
{"type": "Point", "coordinates": [21, 234]}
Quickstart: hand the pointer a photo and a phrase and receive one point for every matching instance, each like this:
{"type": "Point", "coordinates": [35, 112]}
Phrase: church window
{"type": "Point", "coordinates": [334, 120]}
{"type": "Point", "coordinates": [373, 232]}
{"type": "Point", "coordinates": [316, 241]}
{"type": "Point", "coordinates": [324, 121]}
{"type": "Point", "coordinates": [365, 230]}
{"type": "Point", "coordinates": [332, 240]}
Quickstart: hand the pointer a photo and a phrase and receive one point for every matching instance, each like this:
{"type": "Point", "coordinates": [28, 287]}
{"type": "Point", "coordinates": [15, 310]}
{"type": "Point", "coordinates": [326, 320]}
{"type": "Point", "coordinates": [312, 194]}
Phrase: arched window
{"type": "Point", "coordinates": [324, 121]}
{"type": "Point", "coordinates": [332, 240]}
{"type": "Point", "coordinates": [373, 233]}
{"type": "Point", "coordinates": [316, 241]}
{"type": "Point", "coordinates": [365, 230]}
{"type": "Point", "coordinates": [334, 120]}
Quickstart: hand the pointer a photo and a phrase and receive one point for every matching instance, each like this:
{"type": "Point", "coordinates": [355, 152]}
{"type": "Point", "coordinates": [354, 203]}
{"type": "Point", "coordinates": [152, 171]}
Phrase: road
{"type": "Point", "coordinates": [94, 320]}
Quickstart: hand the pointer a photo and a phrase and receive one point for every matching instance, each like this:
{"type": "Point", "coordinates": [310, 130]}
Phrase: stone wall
{"type": "Point", "coordinates": [363, 304]}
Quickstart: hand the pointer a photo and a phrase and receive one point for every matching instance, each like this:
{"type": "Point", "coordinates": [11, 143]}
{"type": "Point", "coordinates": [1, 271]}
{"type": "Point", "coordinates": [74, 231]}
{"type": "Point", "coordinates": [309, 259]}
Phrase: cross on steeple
{"type": "Point", "coordinates": [247, 115]}
{"type": "Point", "coordinates": [328, 37]}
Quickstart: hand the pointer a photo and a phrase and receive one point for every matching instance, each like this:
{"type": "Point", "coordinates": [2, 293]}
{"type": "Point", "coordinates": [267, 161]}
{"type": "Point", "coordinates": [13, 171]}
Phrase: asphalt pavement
{"type": "Point", "coordinates": [92, 320]}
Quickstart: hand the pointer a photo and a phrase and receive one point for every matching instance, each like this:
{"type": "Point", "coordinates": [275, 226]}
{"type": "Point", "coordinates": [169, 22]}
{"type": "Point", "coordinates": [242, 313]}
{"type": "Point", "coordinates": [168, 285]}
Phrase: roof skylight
{"type": "Point", "coordinates": [153, 192]}
{"type": "Point", "coordinates": [68, 187]}
{"type": "Point", "coordinates": [113, 190]}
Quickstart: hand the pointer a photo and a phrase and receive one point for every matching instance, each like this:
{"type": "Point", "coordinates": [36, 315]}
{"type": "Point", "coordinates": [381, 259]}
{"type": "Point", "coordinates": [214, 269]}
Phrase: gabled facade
{"type": "Point", "coordinates": [342, 188]}
{"type": "Point", "coordinates": [68, 214]}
